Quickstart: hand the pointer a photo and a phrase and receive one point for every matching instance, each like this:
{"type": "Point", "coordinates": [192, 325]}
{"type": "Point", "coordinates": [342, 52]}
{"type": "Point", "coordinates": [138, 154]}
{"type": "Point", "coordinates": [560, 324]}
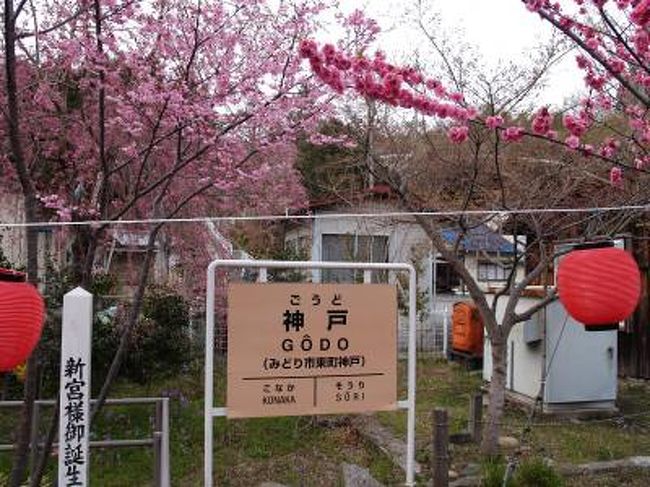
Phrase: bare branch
{"type": "Point", "coordinates": [539, 305]}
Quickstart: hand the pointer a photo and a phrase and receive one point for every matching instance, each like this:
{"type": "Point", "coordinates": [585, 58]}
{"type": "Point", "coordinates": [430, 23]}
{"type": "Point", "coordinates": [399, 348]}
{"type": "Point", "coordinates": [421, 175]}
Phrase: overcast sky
{"type": "Point", "coordinates": [500, 30]}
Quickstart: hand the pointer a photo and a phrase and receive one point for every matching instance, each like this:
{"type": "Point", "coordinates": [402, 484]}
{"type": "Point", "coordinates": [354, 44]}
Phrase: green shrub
{"type": "Point", "coordinates": [536, 473]}
{"type": "Point", "coordinates": [57, 282]}
{"type": "Point", "coordinates": [160, 344]}
{"type": "Point", "coordinates": [105, 340]}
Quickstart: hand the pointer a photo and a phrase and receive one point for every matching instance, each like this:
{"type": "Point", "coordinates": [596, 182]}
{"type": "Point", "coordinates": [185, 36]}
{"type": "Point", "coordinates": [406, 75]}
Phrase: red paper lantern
{"type": "Point", "coordinates": [21, 319]}
{"type": "Point", "coordinates": [599, 286]}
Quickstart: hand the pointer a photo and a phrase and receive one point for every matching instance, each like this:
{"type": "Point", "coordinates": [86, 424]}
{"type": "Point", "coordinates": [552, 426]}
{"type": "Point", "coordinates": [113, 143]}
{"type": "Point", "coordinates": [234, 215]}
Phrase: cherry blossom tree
{"type": "Point", "coordinates": [607, 128]}
{"type": "Point", "coordinates": [613, 45]}
{"type": "Point", "coordinates": [122, 109]}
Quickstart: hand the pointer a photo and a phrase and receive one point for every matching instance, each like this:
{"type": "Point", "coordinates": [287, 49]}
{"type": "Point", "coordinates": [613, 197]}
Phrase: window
{"type": "Point", "coordinates": [493, 271]}
{"type": "Point", "coordinates": [446, 279]}
{"type": "Point", "coordinates": [353, 248]}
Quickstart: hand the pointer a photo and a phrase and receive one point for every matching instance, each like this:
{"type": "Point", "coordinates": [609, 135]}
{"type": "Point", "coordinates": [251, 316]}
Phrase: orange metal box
{"type": "Point", "coordinates": [467, 329]}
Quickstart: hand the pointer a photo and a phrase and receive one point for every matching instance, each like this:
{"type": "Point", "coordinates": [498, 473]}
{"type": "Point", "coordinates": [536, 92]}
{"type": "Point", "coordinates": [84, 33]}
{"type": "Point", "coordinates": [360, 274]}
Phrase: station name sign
{"type": "Point", "coordinates": [304, 349]}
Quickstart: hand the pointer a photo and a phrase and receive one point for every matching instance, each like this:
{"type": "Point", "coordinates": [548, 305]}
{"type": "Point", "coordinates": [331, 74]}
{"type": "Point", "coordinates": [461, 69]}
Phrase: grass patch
{"type": "Point", "coordinates": [535, 473]}
{"type": "Point", "coordinates": [304, 451]}
{"type": "Point", "coordinates": [563, 440]}
{"type": "Point", "coordinates": [439, 384]}
{"type": "Point", "coordinates": [290, 450]}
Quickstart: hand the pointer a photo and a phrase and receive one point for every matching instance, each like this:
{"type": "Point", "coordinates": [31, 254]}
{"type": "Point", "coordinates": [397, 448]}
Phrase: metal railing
{"type": "Point", "coordinates": [433, 335]}
{"type": "Point", "coordinates": [159, 439]}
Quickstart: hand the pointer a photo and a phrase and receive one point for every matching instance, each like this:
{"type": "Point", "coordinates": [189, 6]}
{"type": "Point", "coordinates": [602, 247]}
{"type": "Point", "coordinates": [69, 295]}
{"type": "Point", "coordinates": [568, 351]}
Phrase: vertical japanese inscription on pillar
{"type": "Point", "coordinates": [74, 395]}
{"type": "Point", "coordinates": [299, 349]}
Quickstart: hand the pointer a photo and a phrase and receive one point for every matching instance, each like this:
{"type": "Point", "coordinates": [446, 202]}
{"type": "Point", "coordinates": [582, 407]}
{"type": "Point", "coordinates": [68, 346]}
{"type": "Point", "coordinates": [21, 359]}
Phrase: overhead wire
{"type": "Point", "coordinates": [326, 216]}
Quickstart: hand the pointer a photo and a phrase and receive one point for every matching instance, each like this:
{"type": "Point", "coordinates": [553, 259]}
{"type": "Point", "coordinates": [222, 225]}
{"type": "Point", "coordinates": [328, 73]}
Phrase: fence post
{"type": "Point", "coordinates": [157, 445]}
{"type": "Point", "coordinates": [36, 419]}
{"type": "Point", "coordinates": [164, 458]}
{"type": "Point", "coordinates": [440, 448]}
{"type": "Point", "coordinates": [445, 333]}
{"type": "Point", "coordinates": [476, 417]}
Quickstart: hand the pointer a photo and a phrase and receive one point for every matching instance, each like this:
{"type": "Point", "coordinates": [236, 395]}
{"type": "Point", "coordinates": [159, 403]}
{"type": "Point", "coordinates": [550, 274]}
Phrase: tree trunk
{"type": "Point", "coordinates": [17, 158]}
{"type": "Point", "coordinates": [492, 427]}
{"type": "Point", "coordinates": [134, 314]}
{"type": "Point", "coordinates": [24, 429]}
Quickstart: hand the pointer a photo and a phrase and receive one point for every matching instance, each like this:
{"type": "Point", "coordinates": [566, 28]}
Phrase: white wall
{"type": "Point", "coordinates": [528, 358]}
{"type": "Point", "coordinates": [581, 366]}
{"type": "Point", "coordinates": [13, 241]}
{"type": "Point", "coordinates": [402, 235]}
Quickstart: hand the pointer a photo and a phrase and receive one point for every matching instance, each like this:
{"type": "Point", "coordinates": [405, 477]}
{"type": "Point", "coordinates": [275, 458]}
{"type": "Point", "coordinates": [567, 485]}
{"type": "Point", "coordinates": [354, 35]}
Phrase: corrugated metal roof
{"type": "Point", "coordinates": [480, 239]}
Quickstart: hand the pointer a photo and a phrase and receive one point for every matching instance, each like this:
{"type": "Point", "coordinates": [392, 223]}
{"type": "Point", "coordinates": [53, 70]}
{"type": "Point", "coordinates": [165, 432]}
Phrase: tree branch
{"type": "Point", "coordinates": [575, 38]}
{"type": "Point", "coordinates": [526, 315]}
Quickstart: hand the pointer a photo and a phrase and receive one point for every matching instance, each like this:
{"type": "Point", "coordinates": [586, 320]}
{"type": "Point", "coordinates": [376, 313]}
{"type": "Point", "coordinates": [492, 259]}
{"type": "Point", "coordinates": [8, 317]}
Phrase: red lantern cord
{"type": "Point", "coordinates": [599, 287]}
{"type": "Point", "coordinates": [21, 319]}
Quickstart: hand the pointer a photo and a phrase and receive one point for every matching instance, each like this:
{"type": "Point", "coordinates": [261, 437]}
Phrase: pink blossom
{"type": "Point", "coordinates": [458, 134]}
{"type": "Point", "coordinates": [606, 151]}
{"type": "Point", "coordinates": [420, 103]}
{"type": "Point", "coordinates": [593, 43]}
{"type": "Point", "coordinates": [393, 83]}
{"type": "Point", "coordinates": [609, 147]}
{"type": "Point", "coordinates": [405, 99]}
{"type": "Point", "coordinates": [329, 52]}
{"type": "Point", "coordinates": [641, 13]}
{"type": "Point", "coordinates": [542, 121]}
{"type": "Point", "coordinates": [308, 49]}
{"type": "Point", "coordinates": [512, 134]}
{"type": "Point", "coordinates": [642, 162]}
{"type": "Point", "coordinates": [535, 5]}
{"type": "Point", "coordinates": [432, 84]}
{"type": "Point", "coordinates": [457, 97]}
{"type": "Point", "coordinates": [440, 91]}
{"type": "Point", "coordinates": [616, 177]}
{"type": "Point", "coordinates": [575, 125]}
{"type": "Point", "coordinates": [566, 22]}
{"type": "Point", "coordinates": [572, 141]}
{"type": "Point", "coordinates": [470, 113]}
{"type": "Point", "coordinates": [342, 62]}
{"type": "Point", "coordinates": [494, 121]}
{"type": "Point", "coordinates": [583, 62]}
{"type": "Point", "coordinates": [603, 102]}
{"type": "Point", "coordinates": [360, 64]}
{"type": "Point", "coordinates": [364, 27]}
{"type": "Point", "coordinates": [597, 82]}
{"type": "Point", "coordinates": [617, 65]}
{"type": "Point", "coordinates": [413, 77]}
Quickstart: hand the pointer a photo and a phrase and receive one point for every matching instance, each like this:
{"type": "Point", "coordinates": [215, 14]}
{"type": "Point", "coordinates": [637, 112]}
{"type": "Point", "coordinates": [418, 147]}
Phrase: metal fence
{"type": "Point", "coordinates": [159, 439]}
{"type": "Point", "coordinates": [433, 335]}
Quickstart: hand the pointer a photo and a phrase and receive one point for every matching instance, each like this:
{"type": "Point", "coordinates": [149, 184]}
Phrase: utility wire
{"type": "Point", "coordinates": [327, 216]}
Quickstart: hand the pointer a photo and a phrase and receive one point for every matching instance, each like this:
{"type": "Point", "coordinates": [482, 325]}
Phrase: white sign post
{"type": "Point", "coordinates": [75, 388]}
{"type": "Point", "coordinates": [211, 412]}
